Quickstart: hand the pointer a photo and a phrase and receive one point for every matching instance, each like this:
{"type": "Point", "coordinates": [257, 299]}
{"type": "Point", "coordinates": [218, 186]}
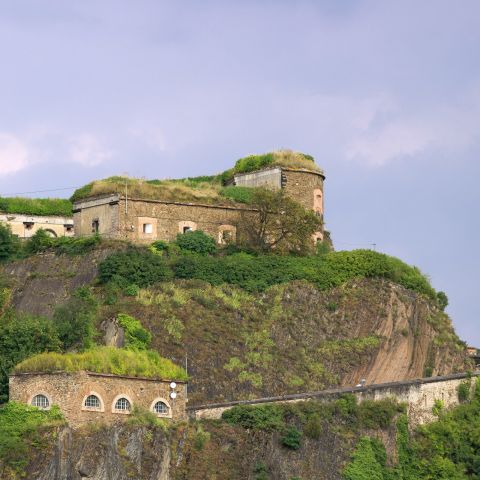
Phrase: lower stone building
{"type": "Point", "coordinates": [85, 397]}
{"type": "Point", "coordinates": [24, 226]}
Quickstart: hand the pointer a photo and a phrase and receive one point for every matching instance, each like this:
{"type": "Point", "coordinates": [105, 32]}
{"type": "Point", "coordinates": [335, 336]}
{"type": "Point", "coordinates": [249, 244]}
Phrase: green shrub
{"type": "Point", "coordinates": [292, 438]}
{"type": "Point", "coordinates": [36, 206]}
{"type": "Point", "coordinates": [134, 266]}
{"type": "Point", "coordinates": [201, 438]}
{"type": "Point", "coordinates": [238, 194]}
{"type": "Point", "coordinates": [136, 337]}
{"type": "Point", "coordinates": [118, 361]}
{"type": "Point", "coordinates": [196, 242]}
{"type": "Point", "coordinates": [259, 417]}
{"type": "Point", "coordinates": [378, 414]}
{"type": "Point", "coordinates": [257, 273]}
{"type": "Point", "coordinates": [39, 242]}
{"type": "Point", "coordinates": [313, 427]}
{"type": "Point", "coordinates": [9, 243]}
{"type": "Point", "coordinates": [75, 320]}
{"type": "Point", "coordinates": [131, 290]}
{"type": "Point", "coordinates": [20, 426]}
{"type": "Point", "coordinates": [142, 417]}
{"type": "Point", "coordinates": [261, 471]}
{"type": "Point", "coordinates": [364, 464]}
{"type": "Point", "coordinates": [464, 391]}
{"type": "Point", "coordinates": [442, 300]}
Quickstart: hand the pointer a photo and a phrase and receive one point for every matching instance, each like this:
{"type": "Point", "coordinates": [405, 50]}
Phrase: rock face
{"type": "Point", "coordinates": [140, 453]}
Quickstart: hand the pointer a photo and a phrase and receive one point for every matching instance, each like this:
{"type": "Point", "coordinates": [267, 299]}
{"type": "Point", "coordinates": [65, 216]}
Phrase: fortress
{"type": "Point", "coordinates": [130, 214]}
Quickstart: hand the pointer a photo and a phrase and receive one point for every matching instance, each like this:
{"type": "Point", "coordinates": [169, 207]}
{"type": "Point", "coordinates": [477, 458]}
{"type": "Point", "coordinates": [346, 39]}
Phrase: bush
{"type": "Point", "coordinates": [9, 243]}
{"type": "Point", "coordinates": [313, 427]}
{"type": "Point", "coordinates": [75, 320]}
{"type": "Point", "coordinates": [118, 361]}
{"type": "Point", "coordinates": [134, 266]}
{"type": "Point", "coordinates": [131, 290]}
{"type": "Point", "coordinates": [196, 242]}
{"type": "Point", "coordinates": [136, 337]}
{"type": "Point", "coordinates": [259, 417]}
{"type": "Point", "coordinates": [442, 300]}
{"type": "Point", "coordinates": [238, 194]}
{"type": "Point", "coordinates": [201, 438]}
{"type": "Point", "coordinates": [292, 438]}
{"type": "Point", "coordinates": [20, 424]}
{"type": "Point", "coordinates": [39, 242]}
{"type": "Point", "coordinates": [464, 391]}
{"type": "Point", "coordinates": [142, 417]}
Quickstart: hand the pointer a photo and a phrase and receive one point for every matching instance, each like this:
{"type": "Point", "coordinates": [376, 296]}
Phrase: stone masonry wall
{"type": "Point", "coordinates": [420, 396]}
{"type": "Point", "coordinates": [104, 209]}
{"type": "Point", "coordinates": [300, 185]}
{"type": "Point", "coordinates": [69, 390]}
{"type": "Point", "coordinates": [27, 225]}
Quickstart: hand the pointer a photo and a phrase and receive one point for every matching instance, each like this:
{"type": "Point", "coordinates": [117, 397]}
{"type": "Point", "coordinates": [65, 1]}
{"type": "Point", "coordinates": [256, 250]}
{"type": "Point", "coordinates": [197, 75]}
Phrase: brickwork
{"type": "Point", "coordinates": [419, 395]}
{"type": "Point", "coordinates": [69, 391]}
{"type": "Point", "coordinates": [144, 220]}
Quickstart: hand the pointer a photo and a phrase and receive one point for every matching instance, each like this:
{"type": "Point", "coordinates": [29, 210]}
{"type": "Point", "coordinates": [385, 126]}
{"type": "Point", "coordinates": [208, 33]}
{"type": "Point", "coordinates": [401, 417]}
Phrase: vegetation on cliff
{"type": "Point", "coordinates": [203, 189]}
{"type": "Point", "coordinates": [117, 361]}
{"type": "Point", "coordinates": [36, 206]}
{"type": "Point", "coordinates": [447, 449]}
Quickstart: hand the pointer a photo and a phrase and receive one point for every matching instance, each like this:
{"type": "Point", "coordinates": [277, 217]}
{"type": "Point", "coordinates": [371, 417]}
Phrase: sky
{"type": "Point", "coordinates": [384, 94]}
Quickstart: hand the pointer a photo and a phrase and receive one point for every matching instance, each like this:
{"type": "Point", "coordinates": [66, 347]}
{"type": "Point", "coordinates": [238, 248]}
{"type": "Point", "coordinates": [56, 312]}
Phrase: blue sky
{"type": "Point", "coordinates": [384, 94]}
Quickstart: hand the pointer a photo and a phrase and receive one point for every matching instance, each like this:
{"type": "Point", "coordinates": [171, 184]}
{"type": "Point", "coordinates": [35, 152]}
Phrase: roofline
{"type": "Point", "coordinates": [96, 374]}
{"type": "Point", "coordinates": [280, 167]}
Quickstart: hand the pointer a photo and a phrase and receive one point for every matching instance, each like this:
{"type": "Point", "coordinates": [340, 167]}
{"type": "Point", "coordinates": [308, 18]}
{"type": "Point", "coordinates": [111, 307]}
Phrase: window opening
{"type": "Point", "coordinates": [147, 228]}
{"type": "Point", "coordinates": [40, 401]}
{"type": "Point", "coordinates": [187, 229]}
{"type": "Point", "coordinates": [160, 407]}
{"type": "Point", "coordinates": [92, 401]}
{"type": "Point", "coordinates": [95, 226]}
{"type": "Point", "coordinates": [123, 404]}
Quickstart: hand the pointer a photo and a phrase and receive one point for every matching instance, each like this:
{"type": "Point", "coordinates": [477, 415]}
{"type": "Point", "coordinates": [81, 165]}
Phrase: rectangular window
{"type": "Point", "coordinates": [187, 229]}
{"type": "Point", "coordinates": [147, 228]}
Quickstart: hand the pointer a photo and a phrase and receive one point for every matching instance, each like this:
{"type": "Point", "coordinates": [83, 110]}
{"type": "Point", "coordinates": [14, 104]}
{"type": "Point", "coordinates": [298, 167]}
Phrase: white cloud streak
{"type": "Point", "coordinates": [15, 155]}
{"type": "Point", "coordinates": [87, 150]}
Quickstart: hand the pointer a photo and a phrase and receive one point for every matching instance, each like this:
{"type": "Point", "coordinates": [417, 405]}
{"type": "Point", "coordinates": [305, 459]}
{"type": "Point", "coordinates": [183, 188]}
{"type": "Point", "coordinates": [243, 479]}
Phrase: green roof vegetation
{"type": "Point", "coordinates": [145, 363]}
{"type": "Point", "coordinates": [36, 206]}
{"type": "Point", "coordinates": [204, 189]}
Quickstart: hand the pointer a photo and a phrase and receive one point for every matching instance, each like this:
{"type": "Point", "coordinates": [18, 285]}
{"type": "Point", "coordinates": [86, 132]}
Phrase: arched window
{"type": "Point", "coordinates": [41, 401]}
{"type": "Point", "coordinates": [161, 407]}
{"type": "Point", "coordinates": [122, 404]}
{"type": "Point", "coordinates": [318, 201]}
{"type": "Point", "coordinates": [93, 402]}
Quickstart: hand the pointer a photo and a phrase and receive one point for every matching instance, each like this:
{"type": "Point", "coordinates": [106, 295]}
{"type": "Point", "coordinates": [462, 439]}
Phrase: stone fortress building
{"type": "Point", "coordinates": [144, 220]}
{"type": "Point", "coordinates": [85, 397]}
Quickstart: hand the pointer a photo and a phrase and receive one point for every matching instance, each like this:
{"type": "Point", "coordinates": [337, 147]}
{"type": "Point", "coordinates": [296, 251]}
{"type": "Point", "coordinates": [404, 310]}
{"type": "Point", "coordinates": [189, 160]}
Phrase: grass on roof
{"type": "Point", "coordinates": [112, 360]}
{"type": "Point", "coordinates": [36, 206]}
{"type": "Point", "coordinates": [203, 189]}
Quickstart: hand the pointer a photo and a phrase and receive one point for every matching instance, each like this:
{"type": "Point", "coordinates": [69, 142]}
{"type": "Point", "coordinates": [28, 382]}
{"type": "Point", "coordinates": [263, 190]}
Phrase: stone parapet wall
{"type": "Point", "coordinates": [420, 396]}
{"type": "Point", "coordinates": [69, 390]}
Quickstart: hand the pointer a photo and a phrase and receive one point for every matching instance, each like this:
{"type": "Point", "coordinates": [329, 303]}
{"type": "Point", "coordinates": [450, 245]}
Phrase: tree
{"type": "Point", "coordinates": [9, 243]}
{"type": "Point", "coordinates": [278, 224]}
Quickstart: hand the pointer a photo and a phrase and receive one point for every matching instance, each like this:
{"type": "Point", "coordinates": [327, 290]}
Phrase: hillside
{"type": "Point", "coordinates": [287, 338]}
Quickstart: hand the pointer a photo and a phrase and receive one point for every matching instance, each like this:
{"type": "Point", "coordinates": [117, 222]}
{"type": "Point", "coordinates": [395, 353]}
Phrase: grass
{"type": "Point", "coordinates": [36, 206]}
{"type": "Point", "coordinates": [105, 360]}
{"type": "Point", "coordinates": [203, 189]}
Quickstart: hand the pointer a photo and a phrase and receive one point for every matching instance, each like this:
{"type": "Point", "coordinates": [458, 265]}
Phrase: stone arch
{"type": "Point", "coordinates": [92, 409]}
{"type": "Point", "coordinates": [116, 399]}
{"type": "Point", "coordinates": [51, 233]}
{"type": "Point", "coordinates": [44, 394]}
{"type": "Point", "coordinates": [318, 201]}
{"type": "Point", "coordinates": [164, 415]}
{"type": "Point", "coordinates": [186, 225]}
{"type": "Point", "coordinates": [226, 234]}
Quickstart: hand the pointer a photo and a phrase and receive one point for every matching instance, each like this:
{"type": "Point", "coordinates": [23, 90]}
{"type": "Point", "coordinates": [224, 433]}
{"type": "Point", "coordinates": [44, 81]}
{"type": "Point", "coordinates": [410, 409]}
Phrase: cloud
{"type": "Point", "coordinates": [14, 154]}
{"type": "Point", "coordinates": [86, 150]}
{"type": "Point", "coordinates": [153, 137]}
{"type": "Point", "coordinates": [404, 135]}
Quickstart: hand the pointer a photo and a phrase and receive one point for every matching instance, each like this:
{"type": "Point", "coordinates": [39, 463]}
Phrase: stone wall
{"type": "Point", "coordinates": [69, 390]}
{"type": "Point", "coordinates": [420, 395]}
{"type": "Point", "coordinates": [270, 178]}
{"type": "Point", "coordinates": [26, 225]}
{"type": "Point", "coordinates": [104, 210]}
{"type": "Point", "coordinates": [300, 185]}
